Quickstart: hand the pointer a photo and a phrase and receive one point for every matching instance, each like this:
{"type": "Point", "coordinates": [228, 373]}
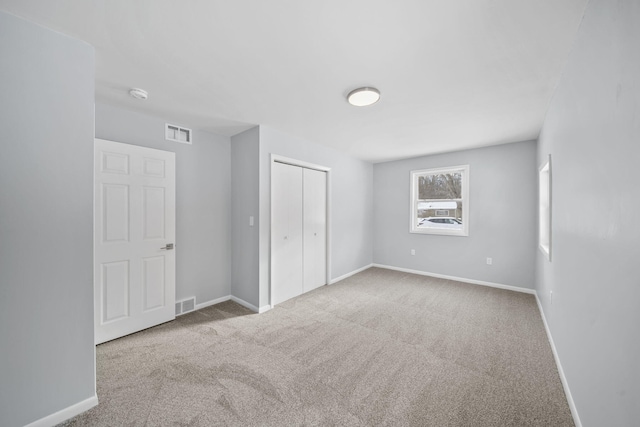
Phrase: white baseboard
{"type": "Point", "coordinates": [66, 413]}
{"type": "Point", "coordinates": [459, 279]}
{"type": "Point", "coordinates": [234, 299]}
{"type": "Point", "coordinates": [344, 276]}
{"type": "Point", "coordinates": [265, 308]}
{"type": "Point", "coordinates": [245, 304]}
{"type": "Point", "coordinates": [212, 302]}
{"type": "Point", "coordinates": [563, 378]}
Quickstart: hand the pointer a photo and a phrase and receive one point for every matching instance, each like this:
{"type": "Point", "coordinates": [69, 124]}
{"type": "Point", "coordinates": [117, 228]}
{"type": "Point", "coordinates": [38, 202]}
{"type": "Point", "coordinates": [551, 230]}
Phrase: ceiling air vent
{"type": "Point", "coordinates": [177, 134]}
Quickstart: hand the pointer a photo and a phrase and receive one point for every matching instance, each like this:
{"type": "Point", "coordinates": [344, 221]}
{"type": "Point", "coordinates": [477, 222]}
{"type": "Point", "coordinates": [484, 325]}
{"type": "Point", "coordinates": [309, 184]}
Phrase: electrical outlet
{"type": "Point", "coordinates": [413, 251]}
{"type": "Point", "coordinates": [551, 297]}
{"type": "Point", "coordinates": [489, 261]}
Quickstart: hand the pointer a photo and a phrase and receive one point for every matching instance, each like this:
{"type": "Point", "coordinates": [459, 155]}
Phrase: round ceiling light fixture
{"type": "Point", "coordinates": [363, 96]}
{"type": "Point", "coordinates": [138, 93]}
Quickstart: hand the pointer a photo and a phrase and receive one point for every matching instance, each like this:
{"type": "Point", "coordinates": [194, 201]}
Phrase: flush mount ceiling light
{"type": "Point", "coordinates": [138, 93]}
{"type": "Point", "coordinates": [363, 96]}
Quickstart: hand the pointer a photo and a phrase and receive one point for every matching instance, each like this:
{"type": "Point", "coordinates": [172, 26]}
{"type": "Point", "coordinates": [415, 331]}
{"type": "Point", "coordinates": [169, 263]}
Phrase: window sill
{"type": "Point", "coordinates": [444, 232]}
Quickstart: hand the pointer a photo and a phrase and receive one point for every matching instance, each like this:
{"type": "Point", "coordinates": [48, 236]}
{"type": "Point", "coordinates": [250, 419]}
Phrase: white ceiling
{"type": "Point", "coordinates": [452, 74]}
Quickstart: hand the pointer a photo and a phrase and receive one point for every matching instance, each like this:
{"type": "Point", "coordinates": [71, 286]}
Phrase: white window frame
{"type": "Point", "coordinates": [544, 209]}
{"type": "Point", "coordinates": [413, 210]}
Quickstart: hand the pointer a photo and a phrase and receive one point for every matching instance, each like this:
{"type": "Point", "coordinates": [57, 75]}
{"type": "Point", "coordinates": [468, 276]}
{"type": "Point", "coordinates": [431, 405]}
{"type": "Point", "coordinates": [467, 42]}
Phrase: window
{"type": "Point", "coordinates": [544, 213]}
{"type": "Point", "coordinates": [440, 201]}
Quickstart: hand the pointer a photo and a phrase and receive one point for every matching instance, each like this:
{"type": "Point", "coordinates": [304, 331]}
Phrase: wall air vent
{"type": "Point", "coordinates": [177, 134]}
{"type": "Point", "coordinates": [185, 306]}
{"type": "Point", "coordinates": [188, 305]}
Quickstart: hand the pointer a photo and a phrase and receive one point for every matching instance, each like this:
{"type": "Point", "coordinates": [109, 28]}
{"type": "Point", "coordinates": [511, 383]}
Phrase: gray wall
{"type": "Point", "coordinates": [351, 203]}
{"type": "Point", "coordinates": [503, 211]}
{"type": "Point", "coordinates": [203, 203]}
{"type": "Point", "coordinates": [245, 189]}
{"type": "Point", "coordinates": [592, 131]}
{"type": "Point", "coordinates": [46, 222]}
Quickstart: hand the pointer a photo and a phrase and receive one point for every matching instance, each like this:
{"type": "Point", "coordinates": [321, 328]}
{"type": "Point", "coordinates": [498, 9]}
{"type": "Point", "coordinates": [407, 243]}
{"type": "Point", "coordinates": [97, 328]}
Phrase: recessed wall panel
{"type": "Point", "coordinates": [115, 215]}
{"type": "Point", "coordinates": [115, 290]}
{"type": "Point", "coordinates": [153, 278]}
{"type": "Point", "coordinates": [115, 163]}
{"type": "Point", "coordinates": [153, 212]}
{"type": "Point", "coordinates": [153, 167]}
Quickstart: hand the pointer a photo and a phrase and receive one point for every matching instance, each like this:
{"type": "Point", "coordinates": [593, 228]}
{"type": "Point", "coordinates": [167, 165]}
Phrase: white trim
{"type": "Point", "coordinates": [344, 276]}
{"type": "Point", "coordinates": [459, 279]}
{"type": "Point", "coordinates": [295, 162]}
{"type": "Point", "coordinates": [544, 197]}
{"type": "Point", "coordinates": [236, 300]}
{"type": "Point", "coordinates": [212, 302]}
{"type": "Point", "coordinates": [265, 308]}
{"type": "Point", "coordinates": [563, 378]}
{"type": "Point", "coordinates": [95, 370]}
{"type": "Point", "coordinates": [245, 304]}
{"type": "Point", "coordinates": [66, 413]}
{"type": "Point", "coordinates": [93, 296]}
{"type": "Point", "coordinates": [328, 225]}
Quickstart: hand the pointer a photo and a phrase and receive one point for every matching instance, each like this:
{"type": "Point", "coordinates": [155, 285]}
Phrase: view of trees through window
{"type": "Point", "coordinates": [440, 186]}
{"type": "Point", "coordinates": [439, 200]}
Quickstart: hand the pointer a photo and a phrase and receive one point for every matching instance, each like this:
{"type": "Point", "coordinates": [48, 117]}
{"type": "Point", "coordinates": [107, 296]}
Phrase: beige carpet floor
{"type": "Point", "coordinates": [381, 348]}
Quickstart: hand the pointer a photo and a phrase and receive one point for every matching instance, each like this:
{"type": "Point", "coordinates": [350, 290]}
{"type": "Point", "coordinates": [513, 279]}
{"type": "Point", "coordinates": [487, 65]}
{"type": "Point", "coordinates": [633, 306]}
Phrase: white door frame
{"type": "Point", "coordinates": [294, 162]}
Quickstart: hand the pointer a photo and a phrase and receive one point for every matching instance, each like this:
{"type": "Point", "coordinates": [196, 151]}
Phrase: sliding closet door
{"type": "Point", "coordinates": [315, 226]}
{"type": "Point", "coordinates": [286, 232]}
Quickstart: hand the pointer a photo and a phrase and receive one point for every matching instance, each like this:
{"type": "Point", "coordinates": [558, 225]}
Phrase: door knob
{"type": "Point", "coordinates": [168, 247]}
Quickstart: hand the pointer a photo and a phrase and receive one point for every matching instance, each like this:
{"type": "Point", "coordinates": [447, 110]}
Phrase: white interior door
{"type": "Point", "coordinates": [315, 228]}
{"type": "Point", "coordinates": [134, 233]}
{"type": "Point", "coordinates": [286, 232]}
